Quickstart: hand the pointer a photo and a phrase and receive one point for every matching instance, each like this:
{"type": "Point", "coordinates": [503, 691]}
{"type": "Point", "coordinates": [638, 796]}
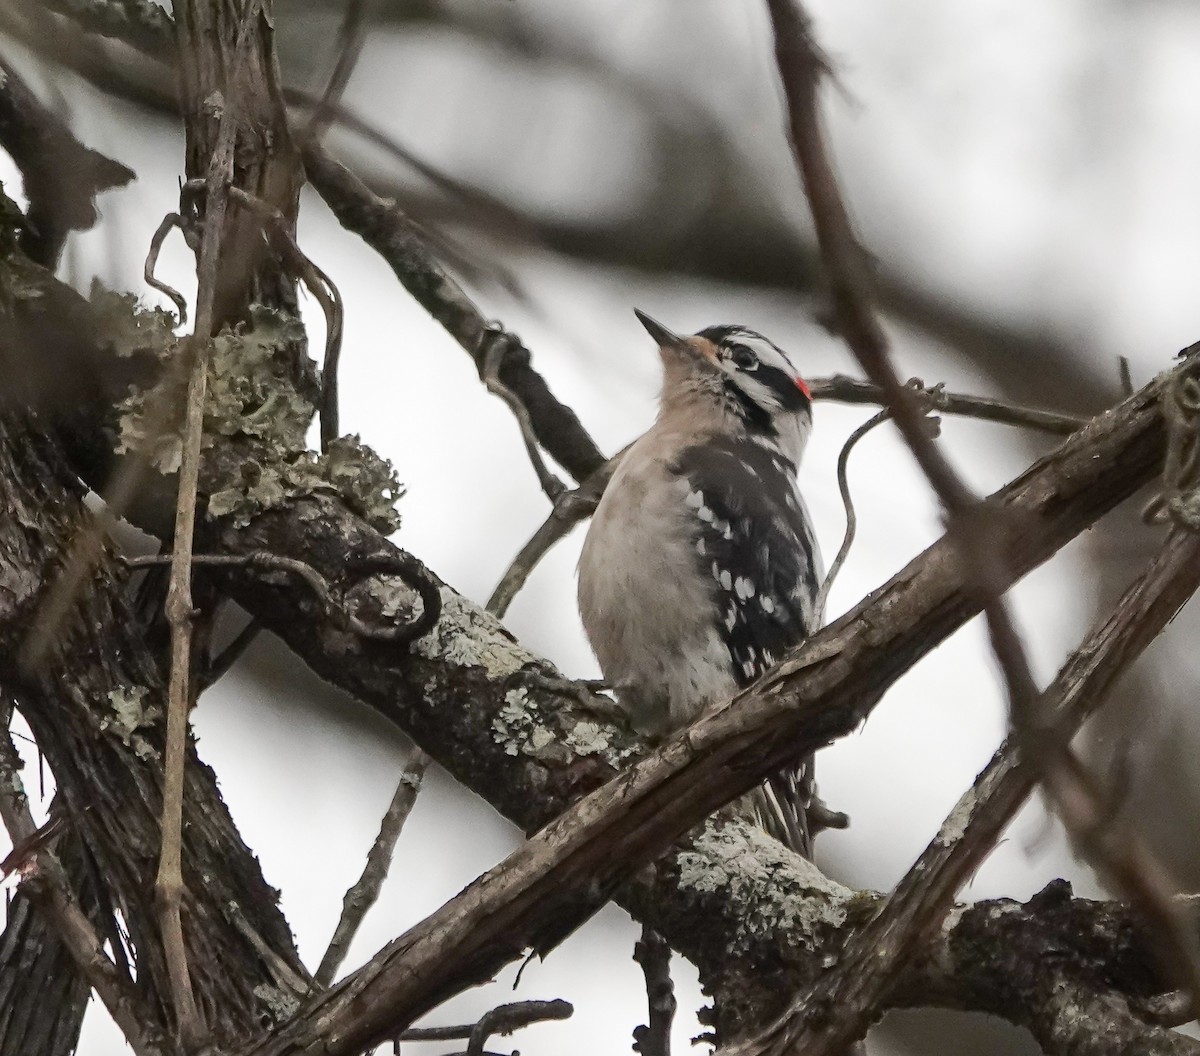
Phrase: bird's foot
{"type": "Point", "coordinates": [588, 693]}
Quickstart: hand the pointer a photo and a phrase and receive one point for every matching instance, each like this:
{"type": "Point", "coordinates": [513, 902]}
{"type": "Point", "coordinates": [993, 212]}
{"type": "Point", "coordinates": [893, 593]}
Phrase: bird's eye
{"type": "Point", "coordinates": [744, 358]}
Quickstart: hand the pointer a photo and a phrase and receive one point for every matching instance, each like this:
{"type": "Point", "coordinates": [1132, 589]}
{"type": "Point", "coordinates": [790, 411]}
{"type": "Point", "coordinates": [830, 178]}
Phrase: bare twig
{"type": "Point", "coordinates": [501, 1020]}
{"type": "Point", "coordinates": [842, 389]}
{"type": "Point", "coordinates": [495, 343]}
{"type": "Point", "coordinates": [258, 559]}
{"type": "Point", "coordinates": [363, 894]}
{"type": "Point", "coordinates": [168, 884]}
{"type": "Point", "coordinates": [351, 35]}
{"type": "Point", "coordinates": [654, 955]}
{"type": "Point", "coordinates": [848, 505]}
{"type": "Point", "coordinates": [46, 884]}
{"type": "Point", "coordinates": [219, 666]}
{"type": "Point", "coordinates": [569, 509]}
{"type": "Point", "coordinates": [505, 1019]}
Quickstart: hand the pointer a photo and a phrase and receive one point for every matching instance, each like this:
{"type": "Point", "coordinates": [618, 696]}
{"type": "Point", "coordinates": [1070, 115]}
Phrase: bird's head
{"type": "Point", "coordinates": [742, 375]}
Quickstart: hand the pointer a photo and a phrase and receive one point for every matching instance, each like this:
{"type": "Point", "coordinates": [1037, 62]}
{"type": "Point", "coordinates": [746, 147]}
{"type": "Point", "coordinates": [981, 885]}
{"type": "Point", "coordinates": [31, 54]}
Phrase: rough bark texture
{"type": "Point", "coordinates": [227, 59]}
{"type": "Point", "coordinates": [1073, 965]}
{"type": "Point", "coordinates": [93, 706]}
{"type": "Point", "coordinates": [42, 999]}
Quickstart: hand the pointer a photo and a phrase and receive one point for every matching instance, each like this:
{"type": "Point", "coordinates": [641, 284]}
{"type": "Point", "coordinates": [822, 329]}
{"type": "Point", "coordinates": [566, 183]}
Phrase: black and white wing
{"type": "Point", "coordinates": [754, 537]}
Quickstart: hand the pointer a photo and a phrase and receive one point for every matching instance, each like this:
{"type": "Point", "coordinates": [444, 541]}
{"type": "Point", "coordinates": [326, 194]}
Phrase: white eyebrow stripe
{"type": "Point", "coordinates": [767, 351]}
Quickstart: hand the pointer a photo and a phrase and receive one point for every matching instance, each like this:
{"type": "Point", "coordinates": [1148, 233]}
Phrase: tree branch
{"type": "Point", "coordinates": [46, 885]}
{"type": "Point", "coordinates": [365, 890]}
{"type": "Point", "coordinates": [977, 530]}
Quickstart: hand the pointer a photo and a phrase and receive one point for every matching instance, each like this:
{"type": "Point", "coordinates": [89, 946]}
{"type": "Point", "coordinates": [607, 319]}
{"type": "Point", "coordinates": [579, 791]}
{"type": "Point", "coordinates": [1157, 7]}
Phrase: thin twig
{"type": "Point", "coordinates": [494, 344]}
{"type": "Point", "coordinates": [505, 1019]}
{"type": "Point", "coordinates": [256, 559]}
{"type": "Point", "coordinates": [847, 504]}
{"type": "Point", "coordinates": [842, 389]}
{"type": "Point", "coordinates": [654, 955]}
{"type": "Point", "coordinates": [569, 509]}
{"type": "Point", "coordinates": [221, 664]}
{"type": "Point", "coordinates": [351, 35]}
{"type": "Point", "coordinates": [46, 884]}
{"type": "Point", "coordinates": [168, 883]}
{"type": "Point", "coordinates": [364, 892]}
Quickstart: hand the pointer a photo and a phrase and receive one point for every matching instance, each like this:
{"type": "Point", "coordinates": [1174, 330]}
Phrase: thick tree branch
{"type": "Point", "coordinates": [1073, 966]}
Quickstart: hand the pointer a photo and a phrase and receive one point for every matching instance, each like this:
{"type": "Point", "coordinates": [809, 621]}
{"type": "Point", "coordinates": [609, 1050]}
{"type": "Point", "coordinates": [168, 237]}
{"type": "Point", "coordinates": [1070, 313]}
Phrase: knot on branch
{"type": "Point", "coordinates": [1179, 500]}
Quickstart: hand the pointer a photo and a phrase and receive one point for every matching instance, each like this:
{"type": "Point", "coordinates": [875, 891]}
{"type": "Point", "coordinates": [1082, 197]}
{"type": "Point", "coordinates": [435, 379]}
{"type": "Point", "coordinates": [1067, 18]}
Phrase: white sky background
{"type": "Point", "coordinates": [1035, 160]}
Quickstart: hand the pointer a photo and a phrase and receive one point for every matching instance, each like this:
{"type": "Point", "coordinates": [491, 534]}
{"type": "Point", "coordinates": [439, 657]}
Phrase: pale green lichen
{"type": "Point", "coordinates": [590, 738]}
{"type": "Point", "coordinates": [130, 713]}
{"type": "Point", "coordinates": [518, 724]}
{"type": "Point", "coordinates": [248, 392]}
{"type": "Point", "coordinates": [366, 482]}
{"type": "Point", "coordinates": [468, 636]}
{"type": "Point", "coordinates": [775, 891]}
{"type": "Point", "coordinates": [280, 1004]}
{"type": "Point", "coordinates": [955, 825]}
{"type": "Point", "coordinates": [249, 395]}
{"type": "Point", "coordinates": [127, 327]}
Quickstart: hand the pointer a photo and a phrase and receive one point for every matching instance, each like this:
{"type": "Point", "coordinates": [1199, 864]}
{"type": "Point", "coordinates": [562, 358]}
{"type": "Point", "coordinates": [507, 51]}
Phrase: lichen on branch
{"type": "Point", "coordinates": [251, 399]}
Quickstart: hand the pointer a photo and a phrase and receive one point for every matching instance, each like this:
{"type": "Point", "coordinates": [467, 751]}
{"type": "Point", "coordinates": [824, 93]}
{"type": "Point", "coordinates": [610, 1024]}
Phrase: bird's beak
{"type": "Point", "coordinates": [665, 338]}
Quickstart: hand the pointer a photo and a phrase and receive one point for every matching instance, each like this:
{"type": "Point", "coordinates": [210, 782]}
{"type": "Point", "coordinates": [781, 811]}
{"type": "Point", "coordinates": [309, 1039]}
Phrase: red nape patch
{"type": "Point", "coordinates": [800, 384]}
